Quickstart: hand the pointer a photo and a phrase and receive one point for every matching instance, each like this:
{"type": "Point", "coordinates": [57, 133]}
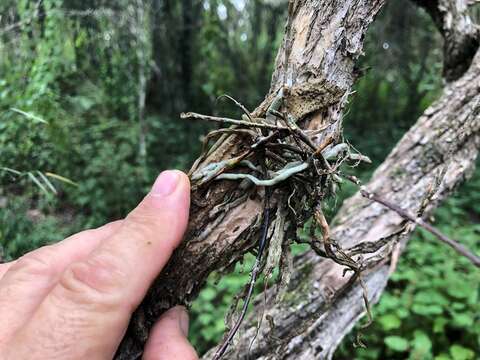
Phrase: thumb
{"type": "Point", "coordinates": [95, 297]}
{"type": "Point", "coordinates": [168, 338]}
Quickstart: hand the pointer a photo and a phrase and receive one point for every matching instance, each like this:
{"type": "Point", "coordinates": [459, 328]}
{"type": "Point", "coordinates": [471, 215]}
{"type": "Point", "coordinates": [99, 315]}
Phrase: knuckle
{"type": "Point", "coordinates": [100, 278]}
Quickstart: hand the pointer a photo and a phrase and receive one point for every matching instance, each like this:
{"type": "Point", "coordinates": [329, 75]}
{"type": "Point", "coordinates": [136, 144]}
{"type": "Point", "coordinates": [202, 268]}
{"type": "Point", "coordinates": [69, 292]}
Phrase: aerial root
{"type": "Point", "coordinates": [277, 154]}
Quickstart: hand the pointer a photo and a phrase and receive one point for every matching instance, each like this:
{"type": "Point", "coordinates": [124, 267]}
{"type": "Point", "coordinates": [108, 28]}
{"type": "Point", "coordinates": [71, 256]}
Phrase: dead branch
{"type": "Point", "coordinates": [459, 248]}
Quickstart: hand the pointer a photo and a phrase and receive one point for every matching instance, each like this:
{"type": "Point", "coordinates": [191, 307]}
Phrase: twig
{"type": "Point", "coordinates": [192, 115]}
{"type": "Point", "coordinates": [241, 106]}
{"type": "Point", "coordinates": [462, 250]}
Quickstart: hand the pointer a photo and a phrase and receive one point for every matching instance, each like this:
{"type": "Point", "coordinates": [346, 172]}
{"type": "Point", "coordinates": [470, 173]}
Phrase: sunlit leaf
{"type": "Point", "coordinates": [30, 116]}
{"type": "Point", "coordinates": [396, 343]}
{"type": "Point", "coordinates": [389, 322]}
{"type": "Point", "coordinates": [61, 178]}
{"type": "Point", "coordinates": [13, 171]}
{"type": "Point", "coordinates": [47, 182]}
{"type": "Point", "coordinates": [461, 353]}
{"type": "Point", "coordinates": [38, 183]}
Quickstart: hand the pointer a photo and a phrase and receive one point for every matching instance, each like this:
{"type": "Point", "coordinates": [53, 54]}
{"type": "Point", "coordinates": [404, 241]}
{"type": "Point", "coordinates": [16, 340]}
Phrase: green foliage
{"type": "Point", "coordinates": [17, 218]}
{"type": "Point", "coordinates": [70, 91]}
{"type": "Point", "coordinates": [401, 77]}
{"type": "Point", "coordinates": [210, 307]}
{"type": "Point", "coordinates": [431, 307]}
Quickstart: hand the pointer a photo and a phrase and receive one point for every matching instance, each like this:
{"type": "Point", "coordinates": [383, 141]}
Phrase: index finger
{"type": "Point", "coordinates": [4, 268]}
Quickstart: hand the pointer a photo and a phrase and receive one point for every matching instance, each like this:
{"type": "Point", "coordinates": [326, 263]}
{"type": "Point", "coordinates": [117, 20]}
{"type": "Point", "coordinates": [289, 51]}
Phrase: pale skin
{"type": "Point", "coordinates": [74, 299]}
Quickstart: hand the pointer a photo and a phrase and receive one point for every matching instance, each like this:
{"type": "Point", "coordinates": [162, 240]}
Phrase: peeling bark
{"type": "Point", "coordinates": [322, 41]}
{"type": "Point", "coordinates": [321, 306]}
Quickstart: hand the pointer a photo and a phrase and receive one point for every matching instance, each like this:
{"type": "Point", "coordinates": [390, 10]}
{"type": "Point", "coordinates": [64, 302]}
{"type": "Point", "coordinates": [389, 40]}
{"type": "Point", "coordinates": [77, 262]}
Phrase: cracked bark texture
{"type": "Point", "coordinates": [322, 41]}
{"type": "Point", "coordinates": [460, 33]}
{"type": "Point", "coordinates": [321, 306]}
{"type": "Point", "coordinates": [316, 60]}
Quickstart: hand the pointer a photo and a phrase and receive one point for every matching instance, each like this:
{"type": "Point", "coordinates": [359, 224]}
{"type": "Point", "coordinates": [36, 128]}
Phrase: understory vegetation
{"type": "Point", "coordinates": [90, 93]}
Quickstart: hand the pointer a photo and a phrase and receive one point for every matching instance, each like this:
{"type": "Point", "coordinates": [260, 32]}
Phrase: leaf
{"type": "Point", "coordinates": [61, 178]}
{"type": "Point", "coordinates": [427, 309]}
{"type": "Point", "coordinates": [402, 313]}
{"type": "Point", "coordinates": [462, 320]}
{"type": "Point", "coordinates": [439, 324]}
{"type": "Point", "coordinates": [205, 318]}
{"type": "Point", "coordinates": [389, 322]}
{"type": "Point", "coordinates": [47, 182]}
{"type": "Point", "coordinates": [30, 116]}
{"type": "Point", "coordinates": [37, 182]}
{"type": "Point", "coordinates": [430, 297]}
{"type": "Point", "coordinates": [461, 353]}
{"type": "Point", "coordinates": [460, 290]}
{"type": "Point", "coordinates": [442, 357]}
{"type": "Point", "coordinates": [13, 171]}
{"type": "Point", "coordinates": [421, 344]}
{"type": "Point", "coordinates": [208, 294]}
{"type": "Point", "coordinates": [396, 343]}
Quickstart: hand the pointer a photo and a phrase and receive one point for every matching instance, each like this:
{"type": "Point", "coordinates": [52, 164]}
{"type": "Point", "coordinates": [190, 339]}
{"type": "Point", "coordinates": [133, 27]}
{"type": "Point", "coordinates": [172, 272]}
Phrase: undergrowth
{"type": "Point", "coordinates": [431, 307]}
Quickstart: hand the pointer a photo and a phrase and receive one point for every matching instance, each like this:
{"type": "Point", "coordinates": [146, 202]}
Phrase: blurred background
{"type": "Point", "coordinates": [90, 92]}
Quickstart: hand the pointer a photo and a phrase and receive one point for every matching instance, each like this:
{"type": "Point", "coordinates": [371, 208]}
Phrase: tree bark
{"type": "Point", "coordinates": [461, 35]}
{"type": "Point", "coordinates": [322, 41]}
{"type": "Point", "coordinates": [321, 305]}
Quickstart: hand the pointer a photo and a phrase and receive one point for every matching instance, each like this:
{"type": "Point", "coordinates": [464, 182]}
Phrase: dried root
{"type": "Point", "coordinates": [281, 157]}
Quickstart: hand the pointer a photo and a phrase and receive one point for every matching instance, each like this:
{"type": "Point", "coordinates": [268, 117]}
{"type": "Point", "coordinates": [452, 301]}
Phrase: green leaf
{"type": "Point", "coordinates": [37, 182]}
{"type": "Point", "coordinates": [402, 313]}
{"type": "Point", "coordinates": [208, 294]}
{"type": "Point", "coordinates": [427, 309]}
{"type": "Point", "coordinates": [439, 325]}
{"type": "Point", "coordinates": [430, 298]}
{"type": "Point", "coordinates": [462, 320]}
{"type": "Point", "coordinates": [421, 344]}
{"type": "Point", "coordinates": [61, 178]}
{"type": "Point", "coordinates": [30, 116]}
{"type": "Point", "coordinates": [205, 318]}
{"type": "Point", "coordinates": [396, 343]}
{"type": "Point", "coordinates": [461, 353]}
{"type": "Point", "coordinates": [442, 357]}
{"type": "Point", "coordinates": [389, 322]}
{"type": "Point", "coordinates": [460, 290]}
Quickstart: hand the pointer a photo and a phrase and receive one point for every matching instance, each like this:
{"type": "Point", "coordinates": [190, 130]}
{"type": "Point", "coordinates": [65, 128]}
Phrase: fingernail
{"type": "Point", "coordinates": [183, 320]}
{"type": "Point", "coordinates": [165, 183]}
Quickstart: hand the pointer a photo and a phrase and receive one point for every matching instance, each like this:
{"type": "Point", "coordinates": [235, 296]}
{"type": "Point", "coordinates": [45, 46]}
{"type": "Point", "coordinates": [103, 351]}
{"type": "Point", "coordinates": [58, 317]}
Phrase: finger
{"type": "Point", "coordinates": [97, 295]}
{"type": "Point", "coordinates": [71, 248]}
{"type": "Point", "coordinates": [168, 338]}
{"type": "Point", "coordinates": [4, 268]}
{"type": "Point", "coordinates": [27, 281]}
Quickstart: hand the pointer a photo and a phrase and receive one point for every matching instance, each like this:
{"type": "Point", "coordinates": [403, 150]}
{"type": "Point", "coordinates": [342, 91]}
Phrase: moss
{"type": "Point", "coordinates": [295, 294]}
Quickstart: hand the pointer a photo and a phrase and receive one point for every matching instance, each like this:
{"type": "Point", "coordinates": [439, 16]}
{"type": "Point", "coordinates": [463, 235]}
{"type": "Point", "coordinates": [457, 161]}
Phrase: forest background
{"type": "Point", "coordinates": [90, 96]}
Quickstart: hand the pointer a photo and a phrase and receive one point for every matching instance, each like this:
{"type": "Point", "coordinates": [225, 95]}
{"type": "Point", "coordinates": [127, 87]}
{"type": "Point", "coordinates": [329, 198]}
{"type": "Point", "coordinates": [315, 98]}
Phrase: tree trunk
{"type": "Point", "coordinates": [321, 305]}
{"type": "Point", "coordinates": [323, 39]}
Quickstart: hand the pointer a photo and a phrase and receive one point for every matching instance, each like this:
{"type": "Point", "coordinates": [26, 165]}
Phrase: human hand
{"type": "Point", "coordinates": [74, 299]}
